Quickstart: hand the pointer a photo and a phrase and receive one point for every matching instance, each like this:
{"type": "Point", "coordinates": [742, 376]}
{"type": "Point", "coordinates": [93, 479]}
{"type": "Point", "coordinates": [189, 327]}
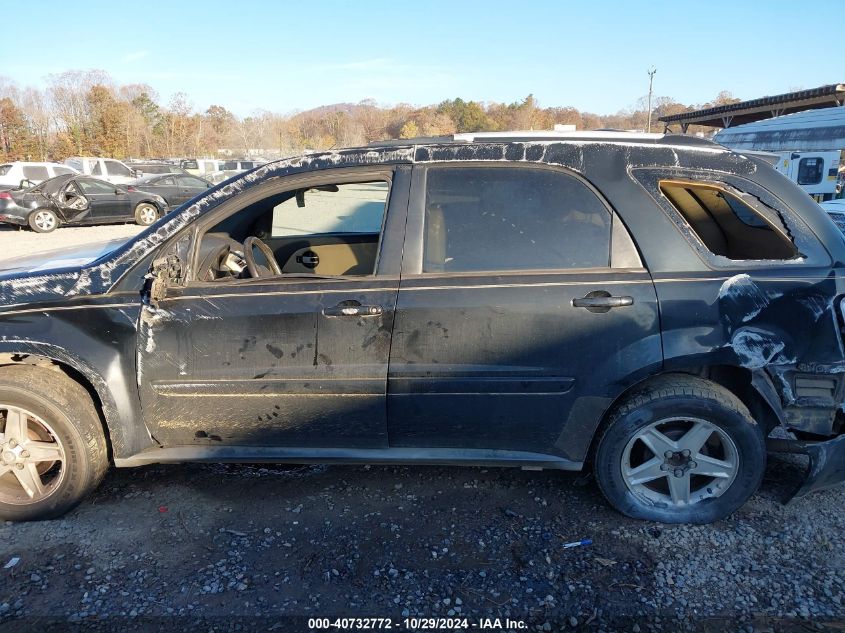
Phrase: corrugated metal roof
{"type": "Point", "coordinates": [813, 131]}
{"type": "Point", "coordinates": [762, 108]}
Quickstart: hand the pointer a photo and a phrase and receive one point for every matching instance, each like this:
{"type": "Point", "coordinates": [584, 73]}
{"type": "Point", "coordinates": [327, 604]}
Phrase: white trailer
{"type": "Point", "coordinates": [809, 146]}
{"type": "Point", "coordinates": [816, 172]}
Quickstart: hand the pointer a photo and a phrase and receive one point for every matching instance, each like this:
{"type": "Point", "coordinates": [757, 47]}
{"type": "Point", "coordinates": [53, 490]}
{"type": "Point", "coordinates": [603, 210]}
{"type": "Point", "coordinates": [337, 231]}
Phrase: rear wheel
{"type": "Point", "coordinates": [52, 448]}
{"type": "Point", "coordinates": [43, 221]}
{"type": "Point", "coordinates": [682, 450]}
{"type": "Point", "coordinates": [146, 214]}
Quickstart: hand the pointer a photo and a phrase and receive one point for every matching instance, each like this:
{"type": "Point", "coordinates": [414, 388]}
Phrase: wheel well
{"type": "Point", "coordinates": [737, 380]}
{"type": "Point", "coordinates": [73, 374]}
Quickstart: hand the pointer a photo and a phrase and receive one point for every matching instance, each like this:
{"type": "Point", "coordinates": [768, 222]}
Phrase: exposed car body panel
{"type": "Point", "coordinates": [780, 323]}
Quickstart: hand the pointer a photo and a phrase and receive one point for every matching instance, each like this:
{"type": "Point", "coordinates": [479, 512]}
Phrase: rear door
{"type": "Point", "coordinates": [523, 310]}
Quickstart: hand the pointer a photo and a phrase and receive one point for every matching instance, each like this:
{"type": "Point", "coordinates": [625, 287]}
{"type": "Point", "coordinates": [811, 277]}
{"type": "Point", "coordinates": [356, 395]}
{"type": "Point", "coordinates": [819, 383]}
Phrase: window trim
{"type": "Point", "coordinates": [624, 254]}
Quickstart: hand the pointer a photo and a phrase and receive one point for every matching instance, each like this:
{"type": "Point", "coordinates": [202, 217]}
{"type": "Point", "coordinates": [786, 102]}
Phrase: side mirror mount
{"type": "Point", "coordinates": [300, 198]}
{"type": "Point", "coordinates": [163, 272]}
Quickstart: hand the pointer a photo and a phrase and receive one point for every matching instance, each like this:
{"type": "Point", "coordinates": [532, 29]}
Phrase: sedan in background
{"type": "Point", "coordinates": [176, 189]}
{"type": "Point", "coordinates": [78, 200]}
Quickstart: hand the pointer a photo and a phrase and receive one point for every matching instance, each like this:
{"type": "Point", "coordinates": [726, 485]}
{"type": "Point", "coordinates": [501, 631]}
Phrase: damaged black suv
{"type": "Point", "coordinates": [653, 306]}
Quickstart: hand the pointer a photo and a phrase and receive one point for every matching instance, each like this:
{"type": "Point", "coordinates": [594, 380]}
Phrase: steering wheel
{"type": "Point", "coordinates": [249, 255]}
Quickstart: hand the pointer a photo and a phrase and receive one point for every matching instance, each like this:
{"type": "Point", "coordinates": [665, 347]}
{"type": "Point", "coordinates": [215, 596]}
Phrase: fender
{"type": "Point", "coordinates": [126, 433]}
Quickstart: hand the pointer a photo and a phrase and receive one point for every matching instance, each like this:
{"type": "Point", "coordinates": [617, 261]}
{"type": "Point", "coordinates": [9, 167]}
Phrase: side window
{"type": "Point", "coordinates": [167, 181]}
{"type": "Point", "coordinates": [117, 169]}
{"type": "Point", "coordinates": [59, 171]}
{"type": "Point", "coordinates": [5, 169]}
{"type": "Point", "coordinates": [727, 225]}
{"type": "Point", "coordinates": [95, 186]}
{"type": "Point", "coordinates": [502, 218]}
{"type": "Point", "coordinates": [97, 170]}
{"type": "Point", "coordinates": [347, 208]}
{"type": "Point", "coordinates": [191, 182]}
{"type": "Point", "coordinates": [35, 172]}
{"type": "Point", "coordinates": [810, 171]}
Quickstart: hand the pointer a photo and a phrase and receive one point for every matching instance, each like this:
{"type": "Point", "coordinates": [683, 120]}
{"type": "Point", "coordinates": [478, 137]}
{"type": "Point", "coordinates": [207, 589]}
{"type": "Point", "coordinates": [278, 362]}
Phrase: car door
{"type": "Point", "coordinates": [108, 201]}
{"type": "Point", "coordinates": [523, 310]}
{"type": "Point", "coordinates": [167, 188]}
{"type": "Point", "coordinates": [287, 360]}
{"type": "Point", "coordinates": [188, 187]}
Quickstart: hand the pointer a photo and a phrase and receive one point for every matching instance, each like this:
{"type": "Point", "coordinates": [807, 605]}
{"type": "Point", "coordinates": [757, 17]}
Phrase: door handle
{"type": "Point", "coordinates": [352, 308]}
{"type": "Point", "coordinates": [601, 301]}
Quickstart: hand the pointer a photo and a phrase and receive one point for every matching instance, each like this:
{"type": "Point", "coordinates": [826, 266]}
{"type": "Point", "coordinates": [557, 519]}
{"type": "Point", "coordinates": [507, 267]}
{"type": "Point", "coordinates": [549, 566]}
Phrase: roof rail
{"type": "Point", "coordinates": [528, 136]}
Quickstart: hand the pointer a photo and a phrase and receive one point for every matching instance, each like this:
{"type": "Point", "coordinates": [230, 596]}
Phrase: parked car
{"type": "Point", "coordinates": [176, 189]}
{"type": "Point", "coordinates": [836, 210]}
{"type": "Point", "coordinates": [153, 168]}
{"type": "Point", "coordinates": [75, 200]}
{"type": "Point", "coordinates": [200, 166]}
{"type": "Point", "coordinates": [12, 174]}
{"type": "Point", "coordinates": [651, 307]}
{"type": "Point", "coordinates": [107, 169]}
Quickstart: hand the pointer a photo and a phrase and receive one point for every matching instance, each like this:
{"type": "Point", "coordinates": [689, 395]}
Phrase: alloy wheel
{"type": "Point", "coordinates": [45, 220]}
{"type": "Point", "coordinates": [679, 462]}
{"type": "Point", "coordinates": [32, 459]}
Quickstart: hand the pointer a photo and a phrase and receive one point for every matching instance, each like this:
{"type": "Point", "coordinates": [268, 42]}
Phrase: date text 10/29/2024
{"type": "Point", "coordinates": [416, 624]}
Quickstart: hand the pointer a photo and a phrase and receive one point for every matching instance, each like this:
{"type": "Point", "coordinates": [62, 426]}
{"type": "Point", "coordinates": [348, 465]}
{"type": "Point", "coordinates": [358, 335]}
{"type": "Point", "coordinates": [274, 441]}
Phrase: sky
{"type": "Point", "coordinates": [285, 56]}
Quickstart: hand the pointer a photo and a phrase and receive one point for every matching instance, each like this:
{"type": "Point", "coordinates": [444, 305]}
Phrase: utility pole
{"type": "Point", "coordinates": [650, 83]}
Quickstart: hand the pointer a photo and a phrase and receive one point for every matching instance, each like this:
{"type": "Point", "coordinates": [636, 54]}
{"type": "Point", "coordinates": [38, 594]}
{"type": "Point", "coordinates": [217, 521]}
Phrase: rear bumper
{"type": "Point", "coordinates": [12, 219]}
{"type": "Point", "coordinates": [827, 462]}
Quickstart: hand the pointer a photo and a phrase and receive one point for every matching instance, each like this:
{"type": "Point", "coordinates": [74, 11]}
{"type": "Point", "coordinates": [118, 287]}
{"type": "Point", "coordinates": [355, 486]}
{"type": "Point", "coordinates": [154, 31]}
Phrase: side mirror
{"type": "Point", "coordinates": [26, 183]}
{"type": "Point", "coordinates": [119, 192]}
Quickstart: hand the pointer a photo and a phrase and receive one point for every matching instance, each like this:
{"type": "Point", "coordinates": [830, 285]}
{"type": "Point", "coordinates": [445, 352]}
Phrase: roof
{"type": "Point", "coordinates": [763, 108]}
{"type": "Point", "coordinates": [812, 131]}
{"type": "Point", "coordinates": [545, 136]}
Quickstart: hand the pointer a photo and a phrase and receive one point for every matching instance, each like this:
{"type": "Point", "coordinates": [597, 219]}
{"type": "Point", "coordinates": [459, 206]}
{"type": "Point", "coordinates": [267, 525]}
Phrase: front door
{"type": "Point", "coordinates": [514, 326]}
{"type": "Point", "coordinates": [290, 360]}
{"type": "Point", "coordinates": [107, 201]}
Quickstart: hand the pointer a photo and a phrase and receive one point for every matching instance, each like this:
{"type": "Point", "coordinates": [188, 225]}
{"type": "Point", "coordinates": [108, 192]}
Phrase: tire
{"type": "Point", "coordinates": [61, 420]}
{"type": "Point", "coordinates": [678, 486]}
{"type": "Point", "coordinates": [146, 213]}
{"type": "Point", "coordinates": [43, 221]}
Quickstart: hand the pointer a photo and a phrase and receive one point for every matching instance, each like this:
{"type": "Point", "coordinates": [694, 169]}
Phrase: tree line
{"type": "Point", "coordinates": [86, 113]}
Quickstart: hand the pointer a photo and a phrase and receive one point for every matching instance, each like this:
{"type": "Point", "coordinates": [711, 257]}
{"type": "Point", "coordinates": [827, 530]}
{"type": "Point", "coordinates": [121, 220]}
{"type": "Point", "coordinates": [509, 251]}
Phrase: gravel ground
{"type": "Point", "coordinates": [241, 547]}
{"type": "Point", "coordinates": [262, 545]}
{"type": "Point", "coordinates": [23, 242]}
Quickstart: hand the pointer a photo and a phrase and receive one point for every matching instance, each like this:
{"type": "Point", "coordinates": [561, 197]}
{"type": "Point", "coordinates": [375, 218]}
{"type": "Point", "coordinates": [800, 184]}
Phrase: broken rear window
{"type": "Point", "coordinates": [726, 224]}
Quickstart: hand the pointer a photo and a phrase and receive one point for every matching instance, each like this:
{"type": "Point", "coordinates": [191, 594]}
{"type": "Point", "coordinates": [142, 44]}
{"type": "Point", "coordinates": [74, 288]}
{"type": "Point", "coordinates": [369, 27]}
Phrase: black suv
{"type": "Point", "coordinates": [654, 306]}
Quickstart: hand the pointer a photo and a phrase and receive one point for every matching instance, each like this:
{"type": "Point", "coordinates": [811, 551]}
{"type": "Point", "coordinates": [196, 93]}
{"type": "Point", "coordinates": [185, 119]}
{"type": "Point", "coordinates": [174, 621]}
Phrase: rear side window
{"type": "Point", "coordinates": [35, 172]}
{"type": "Point", "coordinates": [59, 171]}
{"type": "Point", "coordinates": [97, 170]}
{"type": "Point", "coordinates": [810, 171]}
{"type": "Point", "coordinates": [502, 219]}
{"type": "Point", "coordinates": [5, 169]}
{"type": "Point", "coordinates": [727, 225]}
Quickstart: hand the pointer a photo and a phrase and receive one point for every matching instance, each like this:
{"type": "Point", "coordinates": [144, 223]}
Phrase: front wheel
{"type": "Point", "coordinates": [146, 214]}
{"type": "Point", "coordinates": [52, 446]}
{"type": "Point", "coordinates": [43, 221]}
{"type": "Point", "coordinates": [681, 450]}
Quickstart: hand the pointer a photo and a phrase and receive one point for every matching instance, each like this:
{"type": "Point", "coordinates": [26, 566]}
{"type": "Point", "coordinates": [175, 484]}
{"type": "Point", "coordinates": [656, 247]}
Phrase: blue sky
{"type": "Point", "coordinates": [294, 55]}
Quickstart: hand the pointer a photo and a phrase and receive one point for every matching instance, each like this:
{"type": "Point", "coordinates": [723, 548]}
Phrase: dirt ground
{"type": "Point", "coordinates": [251, 547]}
